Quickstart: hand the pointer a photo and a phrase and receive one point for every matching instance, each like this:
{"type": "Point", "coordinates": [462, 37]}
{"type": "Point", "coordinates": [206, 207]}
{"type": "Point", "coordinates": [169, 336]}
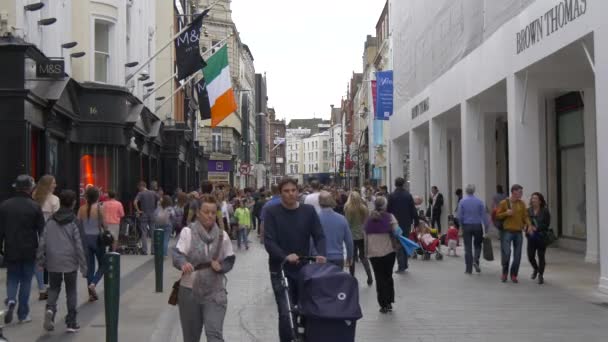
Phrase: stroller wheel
{"type": "Point", "coordinates": [438, 256]}
{"type": "Point", "coordinates": [427, 256]}
{"type": "Point", "coordinates": [415, 256]}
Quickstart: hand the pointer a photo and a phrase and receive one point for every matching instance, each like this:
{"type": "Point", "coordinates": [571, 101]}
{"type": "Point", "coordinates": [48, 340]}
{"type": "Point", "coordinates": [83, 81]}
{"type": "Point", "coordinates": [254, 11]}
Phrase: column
{"type": "Point", "coordinates": [524, 137]}
{"type": "Point", "coordinates": [438, 145]}
{"type": "Point", "coordinates": [601, 106]}
{"type": "Point", "coordinates": [397, 151]}
{"type": "Point", "coordinates": [591, 200]}
{"type": "Point", "coordinates": [416, 163]}
{"type": "Point", "coordinates": [473, 147]}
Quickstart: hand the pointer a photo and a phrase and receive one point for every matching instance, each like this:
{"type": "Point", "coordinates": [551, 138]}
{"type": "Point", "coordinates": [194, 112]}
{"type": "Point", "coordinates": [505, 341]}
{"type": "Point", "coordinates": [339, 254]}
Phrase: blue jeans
{"type": "Point", "coordinates": [505, 246]}
{"type": "Point", "coordinates": [40, 280]}
{"type": "Point", "coordinates": [167, 236]}
{"type": "Point", "coordinates": [242, 237]}
{"type": "Point", "coordinates": [19, 280]}
{"type": "Point", "coordinates": [472, 236]}
{"type": "Point", "coordinates": [94, 252]}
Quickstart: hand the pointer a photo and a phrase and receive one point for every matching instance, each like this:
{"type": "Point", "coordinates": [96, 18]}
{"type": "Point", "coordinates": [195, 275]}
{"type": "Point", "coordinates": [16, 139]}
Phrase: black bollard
{"type": "Point", "coordinates": [111, 296]}
{"type": "Point", "coordinates": [159, 257]}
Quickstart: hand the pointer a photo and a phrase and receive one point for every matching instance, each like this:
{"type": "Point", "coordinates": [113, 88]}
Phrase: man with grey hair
{"type": "Point", "coordinates": [473, 217]}
{"type": "Point", "coordinates": [337, 232]}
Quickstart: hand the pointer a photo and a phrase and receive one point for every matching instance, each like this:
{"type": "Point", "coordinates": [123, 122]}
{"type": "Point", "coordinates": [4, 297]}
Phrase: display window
{"type": "Point", "coordinates": [99, 167]}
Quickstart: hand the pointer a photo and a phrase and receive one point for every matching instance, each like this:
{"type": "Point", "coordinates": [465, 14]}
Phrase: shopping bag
{"type": "Point", "coordinates": [488, 252]}
{"type": "Point", "coordinates": [409, 246]}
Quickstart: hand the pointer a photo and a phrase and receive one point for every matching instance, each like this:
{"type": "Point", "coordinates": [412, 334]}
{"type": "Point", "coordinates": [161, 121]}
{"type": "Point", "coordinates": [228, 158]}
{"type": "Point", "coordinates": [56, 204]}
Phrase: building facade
{"type": "Point", "coordinates": [295, 152]}
{"type": "Point", "coordinates": [514, 98]}
{"type": "Point", "coordinates": [316, 158]}
{"type": "Point", "coordinates": [278, 149]}
{"type": "Point", "coordinates": [75, 108]}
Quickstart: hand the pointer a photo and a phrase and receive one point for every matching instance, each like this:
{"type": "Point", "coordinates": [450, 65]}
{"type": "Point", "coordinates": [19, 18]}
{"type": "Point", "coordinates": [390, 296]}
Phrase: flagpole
{"type": "Point", "coordinates": [175, 74]}
{"type": "Point", "coordinates": [186, 28]}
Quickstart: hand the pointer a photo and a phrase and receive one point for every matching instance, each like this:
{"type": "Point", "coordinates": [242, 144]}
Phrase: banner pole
{"type": "Point", "coordinates": [186, 28]}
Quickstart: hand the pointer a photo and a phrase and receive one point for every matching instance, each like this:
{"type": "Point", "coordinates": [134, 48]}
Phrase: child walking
{"type": "Point", "coordinates": [61, 252]}
{"type": "Point", "coordinates": [243, 218]}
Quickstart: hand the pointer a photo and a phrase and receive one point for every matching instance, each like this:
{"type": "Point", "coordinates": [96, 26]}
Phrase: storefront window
{"type": "Point", "coordinates": [99, 168]}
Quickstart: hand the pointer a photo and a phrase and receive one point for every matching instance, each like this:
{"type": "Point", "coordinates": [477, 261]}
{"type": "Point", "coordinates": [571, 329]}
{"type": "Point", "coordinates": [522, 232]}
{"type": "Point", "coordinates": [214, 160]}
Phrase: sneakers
{"type": "Point", "coordinates": [49, 320]}
{"type": "Point", "coordinates": [476, 267]}
{"type": "Point", "coordinates": [8, 318]}
{"type": "Point", "coordinates": [27, 319]}
{"type": "Point", "coordinates": [73, 327]}
{"type": "Point", "coordinates": [384, 309]}
{"type": "Point", "coordinates": [503, 278]}
{"type": "Point", "coordinates": [514, 279]}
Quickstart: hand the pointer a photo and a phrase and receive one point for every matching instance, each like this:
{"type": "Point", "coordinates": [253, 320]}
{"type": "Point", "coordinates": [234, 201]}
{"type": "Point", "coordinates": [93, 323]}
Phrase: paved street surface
{"type": "Point", "coordinates": [435, 302]}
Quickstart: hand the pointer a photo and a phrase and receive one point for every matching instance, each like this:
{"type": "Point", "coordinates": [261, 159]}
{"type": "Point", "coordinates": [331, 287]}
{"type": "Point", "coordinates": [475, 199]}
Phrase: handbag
{"type": "Point", "coordinates": [547, 236]}
{"type": "Point", "coordinates": [488, 252]}
{"type": "Point", "coordinates": [174, 295]}
{"type": "Point", "coordinates": [104, 238]}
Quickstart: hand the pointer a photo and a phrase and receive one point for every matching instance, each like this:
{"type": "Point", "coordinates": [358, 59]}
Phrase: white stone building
{"type": "Point", "coordinates": [515, 98]}
{"type": "Point", "coordinates": [295, 152]}
{"type": "Point", "coordinates": [316, 157]}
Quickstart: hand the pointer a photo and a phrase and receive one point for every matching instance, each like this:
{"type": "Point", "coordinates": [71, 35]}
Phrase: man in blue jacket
{"type": "Point", "coordinates": [401, 205]}
{"type": "Point", "coordinates": [336, 230]}
{"type": "Point", "coordinates": [288, 228]}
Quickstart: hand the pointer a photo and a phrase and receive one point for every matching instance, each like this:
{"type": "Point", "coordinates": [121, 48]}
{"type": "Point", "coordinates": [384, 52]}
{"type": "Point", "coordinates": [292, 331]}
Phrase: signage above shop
{"type": "Point", "coordinates": [219, 165]}
{"type": "Point", "coordinates": [53, 68]}
{"type": "Point", "coordinates": [218, 177]}
{"type": "Point", "coordinates": [220, 156]}
{"type": "Point", "coordinates": [420, 108]}
{"type": "Point", "coordinates": [554, 19]}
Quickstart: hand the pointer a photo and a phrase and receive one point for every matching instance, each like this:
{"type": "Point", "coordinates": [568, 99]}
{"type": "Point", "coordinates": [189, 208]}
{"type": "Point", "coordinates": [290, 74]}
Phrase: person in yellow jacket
{"type": "Point", "coordinates": [514, 216]}
{"type": "Point", "coordinates": [243, 218]}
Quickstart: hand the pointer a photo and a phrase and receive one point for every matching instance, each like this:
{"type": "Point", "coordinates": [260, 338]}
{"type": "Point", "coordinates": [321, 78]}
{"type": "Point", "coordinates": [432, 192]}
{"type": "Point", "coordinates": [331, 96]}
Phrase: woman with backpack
{"type": "Point", "coordinates": [163, 219]}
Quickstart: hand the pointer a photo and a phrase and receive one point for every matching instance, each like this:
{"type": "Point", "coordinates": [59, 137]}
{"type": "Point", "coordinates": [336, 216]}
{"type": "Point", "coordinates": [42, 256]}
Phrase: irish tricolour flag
{"type": "Point", "coordinates": [221, 96]}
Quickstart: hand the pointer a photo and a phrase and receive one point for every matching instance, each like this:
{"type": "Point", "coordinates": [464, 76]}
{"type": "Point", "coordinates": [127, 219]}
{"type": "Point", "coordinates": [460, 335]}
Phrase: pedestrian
{"type": "Point", "coordinates": [401, 205]}
{"type": "Point", "coordinates": [473, 218]}
{"type": "Point", "coordinates": [337, 232]}
{"type": "Point", "coordinates": [163, 219]}
{"type": "Point", "coordinates": [288, 229]}
{"type": "Point", "coordinates": [145, 205]}
{"type": "Point", "coordinates": [313, 198]}
{"type": "Point", "coordinates": [435, 207]}
{"type": "Point", "coordinates": [540, 217]}
{"type": "Point", "coordinates": [242, 216]}
{"type": "Point", "coordinates": [113, 212]}
{"type": "Point", "coordinates": [44, 195]}
{"type": "Point", "coordinates": [226, 212]}
{"type": "Point", "coordinates": [61, 253]}
{"type": "Point", "coordinates": [380, 248]}
{"type": "Point", "coordinates": [499, 196]}
{"type": "Point", "coordinates": [204, 255]}
{"type": "Point", "coordinates": [274, 200]}
{"type": "Point", "coordinates": [257, 209]}
{"type": "Point", "coordinates": [512, 211]}
{"type": "Point", "coordinates": [356, 213]}
{"type": "Point", "coordinates": [21, 225]}
{"type": "Point", "coordinates": [179, 210]}
{"type": "Point", "coordinates": [91, 220]}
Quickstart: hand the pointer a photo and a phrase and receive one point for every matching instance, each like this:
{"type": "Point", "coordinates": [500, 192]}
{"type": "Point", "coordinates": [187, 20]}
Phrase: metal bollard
{"type": "Point", "coordinates": [159, 257]}
{"type": "Point", "coordinates": [111, 295]}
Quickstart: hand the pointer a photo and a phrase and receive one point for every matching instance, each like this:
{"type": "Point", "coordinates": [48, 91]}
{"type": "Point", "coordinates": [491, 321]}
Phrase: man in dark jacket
{"type": "Point", "coordinates": [435, 207]}
{"type": "Point", "coordinates": [21, 224]}
{"type": "Point", "coordinates": [401, 205]}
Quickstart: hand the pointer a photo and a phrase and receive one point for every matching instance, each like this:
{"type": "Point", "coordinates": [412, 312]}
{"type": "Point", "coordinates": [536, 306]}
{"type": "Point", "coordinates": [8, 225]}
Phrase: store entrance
{"type": "Point", "coordinates": [571, 166]}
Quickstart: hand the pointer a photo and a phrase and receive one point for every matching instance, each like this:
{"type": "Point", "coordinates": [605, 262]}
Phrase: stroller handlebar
{"type": "Point", "coordinates": [304, 258]}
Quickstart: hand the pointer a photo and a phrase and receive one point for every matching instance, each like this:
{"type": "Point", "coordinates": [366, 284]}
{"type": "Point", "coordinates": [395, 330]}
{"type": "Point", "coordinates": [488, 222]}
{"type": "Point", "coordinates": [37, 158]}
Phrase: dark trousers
{"type": "Point", "coordinates": [285, 332]}
{"type": "Point", "coordinates": [18, 285]}
{"type": "Point", "coordinates": [508, 238]}
{"type": "Point", "coordinates": [359, 254]}
{"type": "Point", "coordinates": [383, 272]}
{"type": "Point", "coordinates": [536, 246]}
{"type": "Point", "coordinates": [337, 262]}
{"type": "Point", "coordinates": [55, 280]}
{"type": "Point", "coordinates": [436, 222]}
{"type": "Point", "coordinates": [472, 235]}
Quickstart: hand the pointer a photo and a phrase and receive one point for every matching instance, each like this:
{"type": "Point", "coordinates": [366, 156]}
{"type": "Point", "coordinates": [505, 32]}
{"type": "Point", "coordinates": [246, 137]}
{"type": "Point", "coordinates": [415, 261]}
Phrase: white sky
{"type": "Point", "coordinates": [308, 49]}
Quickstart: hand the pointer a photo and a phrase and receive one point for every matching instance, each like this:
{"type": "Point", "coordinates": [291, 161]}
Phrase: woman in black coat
{"type": "Point", "coordinates": [541, 220]}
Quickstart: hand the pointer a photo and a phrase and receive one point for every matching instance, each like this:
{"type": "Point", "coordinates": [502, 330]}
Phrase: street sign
{"type": "Point", "coordinates": [245, 169]}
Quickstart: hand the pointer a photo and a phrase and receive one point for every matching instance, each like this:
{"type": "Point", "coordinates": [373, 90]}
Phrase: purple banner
{"type": "Point", "coordinates": [220, 165]}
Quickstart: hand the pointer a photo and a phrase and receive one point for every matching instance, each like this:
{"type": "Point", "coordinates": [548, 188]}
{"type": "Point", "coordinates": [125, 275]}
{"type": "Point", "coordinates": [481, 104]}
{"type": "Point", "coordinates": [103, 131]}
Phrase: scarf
{"type": "Point", "coordinates": [208, 285]}
{"type": "Point", "coordinates": [381, 225]}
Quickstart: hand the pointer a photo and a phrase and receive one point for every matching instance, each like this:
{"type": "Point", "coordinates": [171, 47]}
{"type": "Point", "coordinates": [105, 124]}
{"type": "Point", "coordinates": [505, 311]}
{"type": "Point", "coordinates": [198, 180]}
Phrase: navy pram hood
{"type": "Point", "coordinates": [325, 291]}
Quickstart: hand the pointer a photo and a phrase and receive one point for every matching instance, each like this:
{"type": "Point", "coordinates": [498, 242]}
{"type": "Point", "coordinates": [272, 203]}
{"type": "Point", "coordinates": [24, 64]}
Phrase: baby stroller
{"type": "Point", "coordinates": [424, 250]}
{"type": "Point", "coordinates": [327, 306]}
{"type": "Point", "coordinates": [129, 236]}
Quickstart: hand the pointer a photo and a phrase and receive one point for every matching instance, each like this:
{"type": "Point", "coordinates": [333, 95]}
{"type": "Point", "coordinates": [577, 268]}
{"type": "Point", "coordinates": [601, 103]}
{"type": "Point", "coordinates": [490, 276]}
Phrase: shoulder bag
{"type": "Point", "coordinates": [174, 295]}
{"type": "Point", "coordinates": [105, 238]}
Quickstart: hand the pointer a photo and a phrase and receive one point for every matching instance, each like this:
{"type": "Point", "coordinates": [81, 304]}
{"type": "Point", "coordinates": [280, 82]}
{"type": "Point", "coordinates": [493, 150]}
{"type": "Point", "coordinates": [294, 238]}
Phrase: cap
{"type": "Point", "coordinates": [24, 182]}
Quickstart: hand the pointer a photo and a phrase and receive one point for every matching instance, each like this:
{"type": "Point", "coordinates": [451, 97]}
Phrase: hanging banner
{"type": "Point", "coordinates": [384, 89]}
{"type": "Point", "coordinates": [203, 99]}
{"type": "Point", "coordinates": [187, 52]}
{"type": "Point", "coordinates": [374, 96]}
